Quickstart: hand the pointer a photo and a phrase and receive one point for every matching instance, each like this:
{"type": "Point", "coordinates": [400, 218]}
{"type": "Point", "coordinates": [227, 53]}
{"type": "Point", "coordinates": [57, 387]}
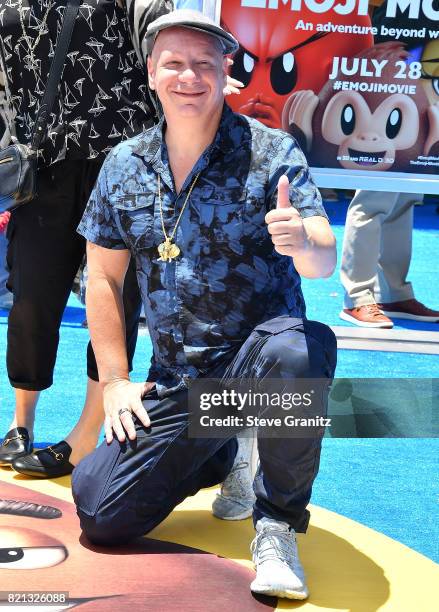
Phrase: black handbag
{"type": "Point", "coordinates": [18, 162]}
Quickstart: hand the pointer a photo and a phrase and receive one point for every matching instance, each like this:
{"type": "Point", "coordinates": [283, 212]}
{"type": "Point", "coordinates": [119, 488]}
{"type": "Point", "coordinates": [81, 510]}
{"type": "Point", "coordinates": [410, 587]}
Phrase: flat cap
{"type": "Point", "coordinates": [187, 18]}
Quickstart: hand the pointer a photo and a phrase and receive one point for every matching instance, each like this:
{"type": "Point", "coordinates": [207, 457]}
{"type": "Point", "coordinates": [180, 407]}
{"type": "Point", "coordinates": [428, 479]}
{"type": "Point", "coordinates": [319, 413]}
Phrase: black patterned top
{"type": "Point", "coordinates": [103, 97]}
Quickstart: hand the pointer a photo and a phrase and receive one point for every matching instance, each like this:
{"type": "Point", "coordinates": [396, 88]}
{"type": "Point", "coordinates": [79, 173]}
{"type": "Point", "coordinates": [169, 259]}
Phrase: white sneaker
{"type": "Point", "coordinates": [275, 555]}
{"type": "Point", "coordinates": [236, 498]}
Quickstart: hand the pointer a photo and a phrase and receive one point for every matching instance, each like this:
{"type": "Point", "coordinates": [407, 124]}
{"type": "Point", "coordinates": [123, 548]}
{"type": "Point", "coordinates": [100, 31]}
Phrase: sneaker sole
{"type": "Point", "coordinates": [238, 517]}
{"type": "Point", "coordinates": [350, 319]}
{"type": "Point", "coordinates": [284, 593]}
{"type": "Point", "coordinates": [405, 315]}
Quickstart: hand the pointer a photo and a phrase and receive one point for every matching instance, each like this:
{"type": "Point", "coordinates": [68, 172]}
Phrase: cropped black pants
{"type": "Point", "coordinates": [43, 256]}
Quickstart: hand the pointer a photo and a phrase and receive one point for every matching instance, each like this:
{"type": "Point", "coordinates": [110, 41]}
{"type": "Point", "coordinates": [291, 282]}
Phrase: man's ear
{"type": "Point", "coordinates": [151, 72]}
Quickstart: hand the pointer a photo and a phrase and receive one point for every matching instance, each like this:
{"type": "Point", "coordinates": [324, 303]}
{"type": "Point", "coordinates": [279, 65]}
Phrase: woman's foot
{"type": "Point", "coordinates": [50, 462]}
{"type": "Point", "coordinates": [57, 460]}
{"type": "Point", "coordinates": [61, 458]}
{"type": "Point", "coordinates": [17, 444]}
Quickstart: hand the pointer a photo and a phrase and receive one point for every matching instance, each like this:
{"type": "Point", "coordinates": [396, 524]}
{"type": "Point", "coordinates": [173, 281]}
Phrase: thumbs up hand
{"type": "Point", "coordinates": [285, 224]}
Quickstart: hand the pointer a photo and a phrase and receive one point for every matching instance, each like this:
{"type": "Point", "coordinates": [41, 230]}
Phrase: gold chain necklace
{"type": "Point", "coordinates": [40, 30]}
{"type": "Point", "coordinates": [168, 250]}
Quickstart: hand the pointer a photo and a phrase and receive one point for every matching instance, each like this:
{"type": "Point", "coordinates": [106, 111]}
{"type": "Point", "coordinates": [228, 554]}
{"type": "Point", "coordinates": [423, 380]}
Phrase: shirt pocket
{"type": "Point", "coordinates": [221, 216]}
{"type": "Point", "coordinates": [135, 214]}
{"type": "Point", "coordinates": [254, 226]}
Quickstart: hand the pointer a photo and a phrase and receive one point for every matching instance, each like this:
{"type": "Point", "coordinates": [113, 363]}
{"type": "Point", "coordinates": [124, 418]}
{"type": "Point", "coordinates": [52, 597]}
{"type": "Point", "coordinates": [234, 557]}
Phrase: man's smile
{"type": "Point", "coordinates": [190, 94]}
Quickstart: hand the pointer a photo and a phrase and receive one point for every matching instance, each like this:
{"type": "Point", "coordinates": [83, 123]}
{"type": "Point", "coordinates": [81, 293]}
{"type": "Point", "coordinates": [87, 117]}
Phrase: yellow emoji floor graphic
{"type": "Point", "coordinates": [194, 562]}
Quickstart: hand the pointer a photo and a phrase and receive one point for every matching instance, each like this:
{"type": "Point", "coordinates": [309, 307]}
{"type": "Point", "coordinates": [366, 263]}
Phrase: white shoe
{"type": "Point", "coordinates": [236, 498]}
{"type": "Point", "coordinates": [275, 555]}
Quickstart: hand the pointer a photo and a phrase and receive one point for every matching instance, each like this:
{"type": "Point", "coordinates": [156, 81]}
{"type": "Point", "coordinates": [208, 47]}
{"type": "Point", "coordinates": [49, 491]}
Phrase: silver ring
{"type": "Point", "coordinates": [122, 410]}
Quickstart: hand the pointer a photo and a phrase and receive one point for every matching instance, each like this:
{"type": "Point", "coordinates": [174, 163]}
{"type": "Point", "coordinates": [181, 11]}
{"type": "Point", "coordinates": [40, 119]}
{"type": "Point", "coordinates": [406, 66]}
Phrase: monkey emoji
{"type": "Point", "coordinates": [430, 82]}
{"type": "Point", "coordinates": [365, 130]}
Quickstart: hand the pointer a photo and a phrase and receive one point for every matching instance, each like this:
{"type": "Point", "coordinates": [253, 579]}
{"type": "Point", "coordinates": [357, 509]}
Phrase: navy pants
{"type": "Point", "coordinates": [125, 490]}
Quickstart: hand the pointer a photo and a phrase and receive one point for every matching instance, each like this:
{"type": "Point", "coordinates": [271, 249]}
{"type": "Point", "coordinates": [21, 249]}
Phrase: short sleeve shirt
{"type": "Point", "coordinates": [201, 306]}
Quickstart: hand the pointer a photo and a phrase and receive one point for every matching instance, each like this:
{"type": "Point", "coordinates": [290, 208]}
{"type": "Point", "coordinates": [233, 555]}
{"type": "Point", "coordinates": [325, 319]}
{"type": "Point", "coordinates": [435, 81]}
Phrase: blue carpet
{"type": "Point", "coordinates": [388, 485]}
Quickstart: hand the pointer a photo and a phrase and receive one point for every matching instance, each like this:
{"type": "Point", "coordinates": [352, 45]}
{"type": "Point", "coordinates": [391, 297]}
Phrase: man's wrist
{"type": "Point", "coordinates": [114, 379]}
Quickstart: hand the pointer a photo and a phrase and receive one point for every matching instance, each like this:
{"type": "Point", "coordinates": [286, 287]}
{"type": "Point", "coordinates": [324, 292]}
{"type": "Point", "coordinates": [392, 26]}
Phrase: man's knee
{"type": "Point", "coordinates": [113, 527]}
{"type": "Point", "coordinates": [322, 349]}
{"type": "Point", "coordinates": [100, 531]}
{"type": "Point", "coordinates": [107, 517]}
{"type": "Point", "coordinates": [104, 518]}
{"type": "Point", "coordinates": [111, 523]}
{"type": "Point", "coordinates": [285, 349]}
{"type": "Point", "coordinates": [300, 348]}
{"type": "Point", "coordinates": [99, 528]}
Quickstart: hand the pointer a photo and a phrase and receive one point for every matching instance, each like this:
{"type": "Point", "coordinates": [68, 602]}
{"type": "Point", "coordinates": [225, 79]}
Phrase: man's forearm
{"type": "Point", "coordinates": [318, 263]}
{"type": "Point", "coordinates": [319, 258]}
{"type": "Point", "coordinates": [106, 323]}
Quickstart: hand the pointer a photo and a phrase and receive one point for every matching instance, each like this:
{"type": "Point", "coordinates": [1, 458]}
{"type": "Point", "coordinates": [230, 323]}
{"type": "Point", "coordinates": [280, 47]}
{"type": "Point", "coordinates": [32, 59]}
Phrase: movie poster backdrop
{"type": "Point", "coordinates": [355, 82]}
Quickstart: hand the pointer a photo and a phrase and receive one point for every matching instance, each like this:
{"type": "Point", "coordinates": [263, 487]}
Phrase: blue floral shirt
{"type": "Point", "coordinates": [201, 306]}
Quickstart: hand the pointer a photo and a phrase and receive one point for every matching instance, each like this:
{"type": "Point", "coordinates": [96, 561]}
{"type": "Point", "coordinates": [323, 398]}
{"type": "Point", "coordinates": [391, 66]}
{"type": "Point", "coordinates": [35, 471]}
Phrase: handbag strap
{"type": "Point", "coordinates": [55, 72]}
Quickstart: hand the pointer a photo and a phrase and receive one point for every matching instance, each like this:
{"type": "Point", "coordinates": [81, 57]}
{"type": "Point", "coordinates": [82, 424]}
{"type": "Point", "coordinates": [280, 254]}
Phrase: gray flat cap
{"type": "Point", "coordinates": [194, 20]}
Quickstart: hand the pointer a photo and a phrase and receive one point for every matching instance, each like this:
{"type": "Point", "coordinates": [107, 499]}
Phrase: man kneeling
{"type": "Point", "coordinates": [220, 236]}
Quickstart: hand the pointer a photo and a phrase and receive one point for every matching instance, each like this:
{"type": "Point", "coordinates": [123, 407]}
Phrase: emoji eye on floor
{"type": "Point", "coordinates": [31, 558]}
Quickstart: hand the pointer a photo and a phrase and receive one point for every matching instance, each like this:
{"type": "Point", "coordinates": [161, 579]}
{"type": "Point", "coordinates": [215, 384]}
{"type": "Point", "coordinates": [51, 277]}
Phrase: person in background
{"type": "Point", "coordinates": [377, 249]}
{"type": "Point", "coordinates": [103, 99]}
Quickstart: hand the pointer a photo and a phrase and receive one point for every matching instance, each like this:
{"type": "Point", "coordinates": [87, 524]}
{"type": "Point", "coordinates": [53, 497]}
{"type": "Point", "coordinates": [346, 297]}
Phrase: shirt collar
{"type": "Point", "coordinates": [150, 150]}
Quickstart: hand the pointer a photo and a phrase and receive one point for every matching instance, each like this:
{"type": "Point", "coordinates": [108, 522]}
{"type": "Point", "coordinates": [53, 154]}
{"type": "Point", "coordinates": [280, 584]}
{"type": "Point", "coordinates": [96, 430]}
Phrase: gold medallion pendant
{"type": "Point", "coordinates": [168, 250]}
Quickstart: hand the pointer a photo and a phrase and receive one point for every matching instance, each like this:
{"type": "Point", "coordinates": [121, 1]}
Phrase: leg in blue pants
{"type": "Point", "coordinates": [125, 490]}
